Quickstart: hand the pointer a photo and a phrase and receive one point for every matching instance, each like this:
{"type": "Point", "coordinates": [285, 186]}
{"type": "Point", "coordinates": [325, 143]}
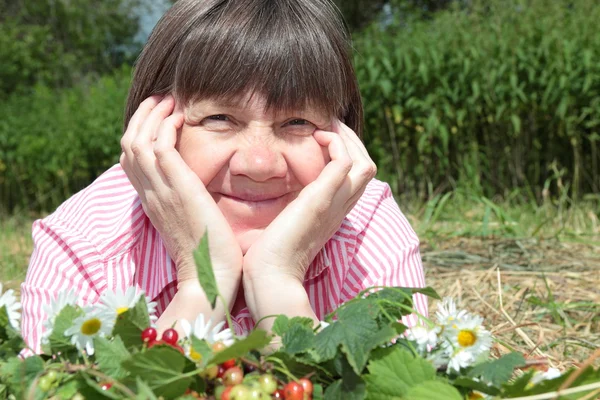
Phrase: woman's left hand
{"type": "Point", "coordinates": [290, 243]}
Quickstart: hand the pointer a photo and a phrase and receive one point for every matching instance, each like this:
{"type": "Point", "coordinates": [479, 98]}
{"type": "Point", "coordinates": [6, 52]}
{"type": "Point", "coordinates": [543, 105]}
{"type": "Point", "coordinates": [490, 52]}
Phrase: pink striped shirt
{"type": "Point", "coordinates": [101, 239]}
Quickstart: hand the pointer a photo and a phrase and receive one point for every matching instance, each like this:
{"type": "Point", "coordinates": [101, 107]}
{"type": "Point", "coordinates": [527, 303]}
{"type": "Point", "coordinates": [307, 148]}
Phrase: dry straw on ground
{"type": "Point", "coordinates": [539, 298]}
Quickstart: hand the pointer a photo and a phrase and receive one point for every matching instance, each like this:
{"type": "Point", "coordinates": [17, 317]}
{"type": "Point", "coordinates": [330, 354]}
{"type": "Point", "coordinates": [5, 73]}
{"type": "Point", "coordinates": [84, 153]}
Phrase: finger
{"type": "Point", "coordinates": [142, 146]}
{"type": "Point", "coordinates": [168, 158]}
{"type": "Point", "coordinates": [363, 168]}
{"type": "Point", "coordinates": [340, 127]}
{"type": "Point", "coordinates": [140, 115]}
{"type": "Point", "coordinates": [132, 178]}
{"type": "Point", "coordinates": [336, 171]}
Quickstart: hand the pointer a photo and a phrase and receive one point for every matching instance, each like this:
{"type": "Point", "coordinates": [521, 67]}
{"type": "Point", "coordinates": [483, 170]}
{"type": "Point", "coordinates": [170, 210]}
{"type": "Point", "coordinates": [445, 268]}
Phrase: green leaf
{"type": "Point", "coordinates": [110, 356]}
{"type": "Point", "coordinates": [131, 323]}
{"type": "Point", "coordinates": [281, 325]}
{"type": "Point", "coordinates": [517, 387]}
{"type": "Point", "coordinates": [498, 371]}
{"type": "Point", "coordinates": [257, 339]}
{"type": "Point", "coordinates": [143, 390]}
{"type": "Point", "coordinates": [470, 383]}
{"type": "Point", "coordinates": [300, 365]}
{"type": "Point", "coordinates": [433, 390]}
{"type": "Point", "coordinates": [298, 339]}
{"type": "Point", "coordinates": [336, 391]}
{"type": "Point", "coordinates": [206, 276]}
{"type": "Point", "coordinates": [91, 389]}
{"type": "Point", "coordinates": [427, 291]}
{"type": "Point", "coordinates": [356, 331]}
{"type": "Point", "coordinates": [67, 390]}
{"type": "Point", "coordinates": [395, 372]}
{"type": "Point", "coordinates": [161, 367]}
{"type": "Point", "coordinates": [19, 374]}
{"type": "Point", "coordinates": [11, 342]}
{"type": "Point", "coordinates": [202, 348]}
{"type": "Point", "coordinates": [317, 392]}
{"type": "Point", "coordinates": [63, 321]}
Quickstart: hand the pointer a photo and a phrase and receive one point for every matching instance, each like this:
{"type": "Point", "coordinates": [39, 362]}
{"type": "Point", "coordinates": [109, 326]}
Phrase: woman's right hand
{"type": "Point", "coordinates": [172, 195]}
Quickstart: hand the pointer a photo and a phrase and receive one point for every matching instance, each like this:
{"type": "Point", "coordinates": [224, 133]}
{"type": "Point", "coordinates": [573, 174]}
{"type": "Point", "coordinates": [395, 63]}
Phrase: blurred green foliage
{"type": "Point", "coordinates": [54, 142]}
{"type": "Point", "coordinates": [57, 42]}
{"type": "Point", "coordinates": [493, 96]}
{"type": "Point", "coordinates": [496, 96]}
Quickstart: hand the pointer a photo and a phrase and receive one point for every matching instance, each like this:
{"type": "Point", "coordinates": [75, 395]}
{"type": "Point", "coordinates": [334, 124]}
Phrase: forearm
{"type": "Point", "coordinates": [274, 294]}
{"type": "Point", "coordinates": [190, 301]}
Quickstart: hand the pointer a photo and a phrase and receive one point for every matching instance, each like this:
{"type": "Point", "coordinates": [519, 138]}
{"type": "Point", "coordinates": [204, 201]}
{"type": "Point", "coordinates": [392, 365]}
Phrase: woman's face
{"type": "Point", "coordinates": [253, 162]}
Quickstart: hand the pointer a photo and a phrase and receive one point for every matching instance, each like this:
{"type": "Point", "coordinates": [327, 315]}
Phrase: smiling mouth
{"type": "Point", "coordinates": [255, 199]}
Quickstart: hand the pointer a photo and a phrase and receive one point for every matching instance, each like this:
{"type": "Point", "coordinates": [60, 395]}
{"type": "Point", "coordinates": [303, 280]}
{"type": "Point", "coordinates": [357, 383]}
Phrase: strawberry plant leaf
{"type": "Point", "coordinates": [110, 356]}
{"type": "Point", "coordinates": [206, 275]}
{"type": "Point", "coordinates": [58, 342]}
{"type": "Point", "coordinates": [19, 374]}
{"type": "Point", "coordinates": [298, 338]}
{"type": "Point", "coordinates": [257, 339]}
{"type": "Point", "coordinates": [283, 323]}
{"type": "Point", "coordinates": [517, 387]}
{"type": "Point", "coordinates": [143, 390]}
{"type": "Point", "coordinates": [470, 383]}
{"type": "Point", "coordinates": [395, 372]}
{"type": "Point", "coordinates": [337, 391]}
{"type": "Point", "coordinates": [433, 389]}
{"type": "Point", "coordinates": [202, 348]}
{"type": "Point", "coordinates": [356, 331]}
{"type": "Point", "coordinates": [161, 367]}
{"type": "Point", "coordinates": [11, 342]}
{"type": "Point", "coordinates": [497, 371]}
{"type": "Point", "coordinates": [427, 291]}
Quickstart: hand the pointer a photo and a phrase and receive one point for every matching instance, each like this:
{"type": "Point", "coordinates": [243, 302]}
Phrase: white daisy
{"type": "Point", "coordinates": [460, 359]}
{"type": "Point", "coordinates": [425, 338]}
{"type": "Point", "coordinates": [9, 301]}
{"type": "Point", "coordinates": [468, 333]}
{"type": "Point", "coordinates": [540, 376]}
{"type": "Point", "coordinates": [93, 323]}
{"type": "Point", "coordinates": [52, 310]}
{"type": "Point", "coordinates": [465, 340]}
{"type": "Point", "coordinates": [447, 312]}
{"type": "Point", "coordinates": [118, 301]}
{"type": "Point", "coordinates": [203, 330]}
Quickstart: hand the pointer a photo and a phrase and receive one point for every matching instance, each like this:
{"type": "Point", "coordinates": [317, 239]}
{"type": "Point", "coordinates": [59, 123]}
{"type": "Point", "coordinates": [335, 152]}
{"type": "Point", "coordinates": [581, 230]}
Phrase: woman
{"type": "Point", "coordinates": [243, 120]}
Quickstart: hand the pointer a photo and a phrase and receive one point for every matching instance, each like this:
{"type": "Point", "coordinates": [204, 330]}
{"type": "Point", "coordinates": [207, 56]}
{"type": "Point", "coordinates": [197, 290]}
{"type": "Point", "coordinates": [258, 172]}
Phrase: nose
{"type": "Point", "coordinates": [259, 161]}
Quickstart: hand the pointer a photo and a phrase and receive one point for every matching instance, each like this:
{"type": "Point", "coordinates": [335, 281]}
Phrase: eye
{"type": "Point", "coordinates": [218, 117]}
{"type": "Point", "coordinates": [299, 121]}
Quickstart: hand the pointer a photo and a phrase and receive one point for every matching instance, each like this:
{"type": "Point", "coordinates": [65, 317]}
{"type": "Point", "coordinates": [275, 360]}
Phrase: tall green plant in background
{"type": "Point", "coordinates": [57, 42]}
{"type": "Point", "coordinates": [498, 95]}
{"type": "Point", "coordinates": [55, 142]}
{"type": "Point", "coordinates": [489, 96]}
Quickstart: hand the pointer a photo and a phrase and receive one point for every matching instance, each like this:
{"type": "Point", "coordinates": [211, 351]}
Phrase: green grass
{"type": "Point", "coordinates": [15, 248]}
{"type": "Point", "coordinates": [463, 214]}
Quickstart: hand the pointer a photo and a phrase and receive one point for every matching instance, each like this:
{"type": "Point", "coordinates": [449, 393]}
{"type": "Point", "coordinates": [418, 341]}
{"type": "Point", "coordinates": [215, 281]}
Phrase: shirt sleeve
{"type": "Point", "coordinates": [62, 260]}
{"type": "Point", "coordinates": [387, 254]}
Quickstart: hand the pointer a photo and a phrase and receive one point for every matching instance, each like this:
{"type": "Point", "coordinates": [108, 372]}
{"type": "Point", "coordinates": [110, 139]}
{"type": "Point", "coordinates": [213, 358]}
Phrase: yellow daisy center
{"type": "Point", "coordinates": [194, 355]}
{"type": "Point", "coordinates": [91, 326]}
{"type": "Point", "coordinates": [475, 396]}
{"type": "Point", "coordinates": [466, 338]}
{"type": "Point", "coordinates": [121, 310]}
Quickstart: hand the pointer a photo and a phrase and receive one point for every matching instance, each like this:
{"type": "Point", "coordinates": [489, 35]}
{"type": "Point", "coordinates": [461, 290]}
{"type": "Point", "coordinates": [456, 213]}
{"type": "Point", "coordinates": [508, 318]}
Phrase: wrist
{"type": "Point", "coordinates": [274, 294]}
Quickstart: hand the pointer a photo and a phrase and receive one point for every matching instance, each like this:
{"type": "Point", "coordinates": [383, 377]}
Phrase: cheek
{"type": "Point", "coordinates": [202, 154]}
{"type": "Point", "coordinates": [306, 160]}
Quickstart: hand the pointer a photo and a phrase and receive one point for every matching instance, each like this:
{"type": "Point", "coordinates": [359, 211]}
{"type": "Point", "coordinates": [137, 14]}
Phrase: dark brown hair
{"type": "Point", "coordinates": [296, 53]}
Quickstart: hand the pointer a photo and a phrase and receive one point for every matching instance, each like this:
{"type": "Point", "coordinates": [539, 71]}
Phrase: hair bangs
{"type": "Point", "coordinates": [272, 48]}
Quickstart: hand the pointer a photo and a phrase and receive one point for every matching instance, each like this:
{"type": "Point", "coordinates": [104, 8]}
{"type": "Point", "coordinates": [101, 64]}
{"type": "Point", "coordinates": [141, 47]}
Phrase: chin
{"type": "Point", "coordinates": [247, 238]}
